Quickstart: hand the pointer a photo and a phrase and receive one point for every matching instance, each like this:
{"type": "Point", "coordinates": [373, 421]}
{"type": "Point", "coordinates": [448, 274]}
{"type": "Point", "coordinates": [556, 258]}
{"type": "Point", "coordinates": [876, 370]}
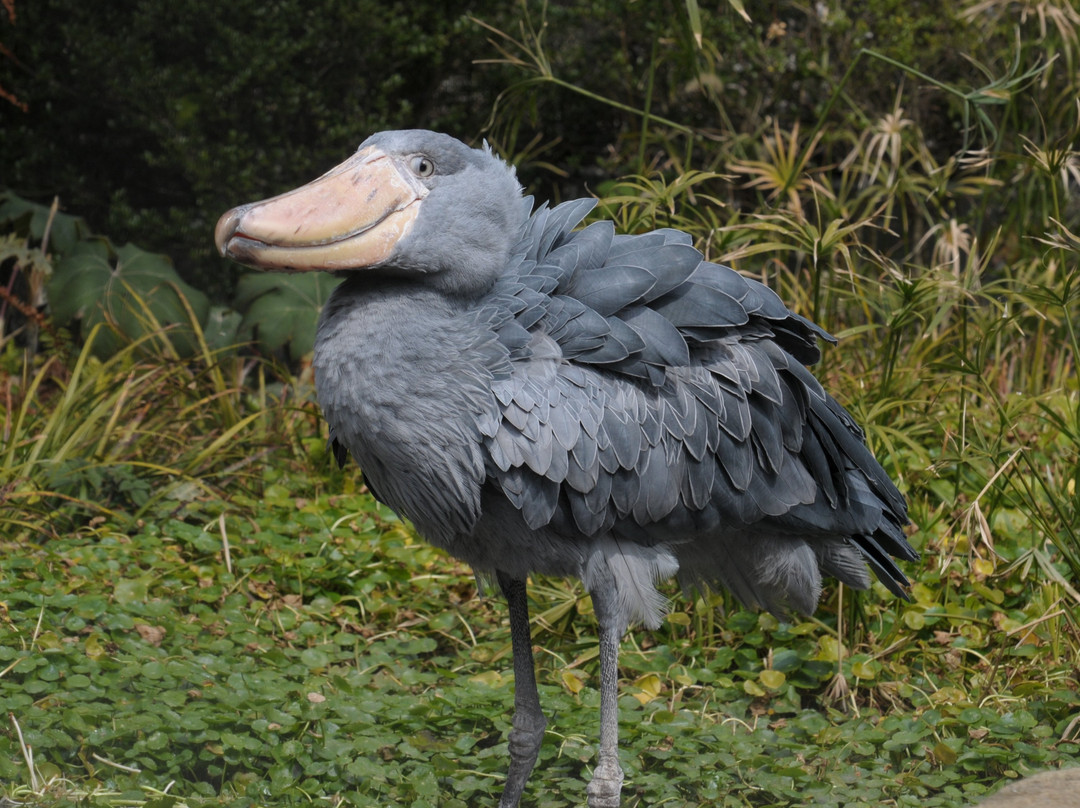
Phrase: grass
{"type": "Point", "coordinates": [198, 609]}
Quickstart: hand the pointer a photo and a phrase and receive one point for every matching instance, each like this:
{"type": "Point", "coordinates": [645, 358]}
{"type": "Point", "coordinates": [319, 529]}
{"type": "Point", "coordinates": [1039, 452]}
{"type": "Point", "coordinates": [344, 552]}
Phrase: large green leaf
{"type": "Point", "coordinates": [133, 290]}
{"type": "Point", "coordinates": [282, 310]}
{"type": "Point", "coordinates": [29, 219]}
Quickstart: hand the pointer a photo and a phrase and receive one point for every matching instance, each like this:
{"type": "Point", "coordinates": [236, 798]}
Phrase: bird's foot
{"type": "Point", "coordinates": [606, 783]}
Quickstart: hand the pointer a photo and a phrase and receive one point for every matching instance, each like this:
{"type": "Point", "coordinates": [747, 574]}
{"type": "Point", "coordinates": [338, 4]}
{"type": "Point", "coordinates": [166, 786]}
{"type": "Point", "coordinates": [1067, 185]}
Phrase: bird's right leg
{"type": "Point", "coordinates": [606, 785]}
{"type": "Point", "coordinates": [529, 721]}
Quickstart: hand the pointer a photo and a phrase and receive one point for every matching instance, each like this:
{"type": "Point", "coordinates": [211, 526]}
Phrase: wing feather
{"type": "Point", "coordinates": [658, 398]}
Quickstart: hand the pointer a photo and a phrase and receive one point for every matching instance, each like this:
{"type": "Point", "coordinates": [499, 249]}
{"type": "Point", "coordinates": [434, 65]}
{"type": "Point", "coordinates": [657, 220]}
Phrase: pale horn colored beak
{"type": "Point", "coordinates": [349, 218]}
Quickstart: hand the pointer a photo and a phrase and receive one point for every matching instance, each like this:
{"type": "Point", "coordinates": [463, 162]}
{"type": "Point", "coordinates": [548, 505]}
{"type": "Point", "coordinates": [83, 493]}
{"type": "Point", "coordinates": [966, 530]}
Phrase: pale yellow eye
{"type": "Point", "coordinates": [422, 166]}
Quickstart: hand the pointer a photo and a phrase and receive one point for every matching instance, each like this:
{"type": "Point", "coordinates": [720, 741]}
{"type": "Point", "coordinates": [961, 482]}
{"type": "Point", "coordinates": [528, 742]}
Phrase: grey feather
{"type": "Point", "coordinates": [636, 570]}
{"type": "Point", "coordinates": [662, 343]}
{"type": "Point", "coordinates": [608, 290]}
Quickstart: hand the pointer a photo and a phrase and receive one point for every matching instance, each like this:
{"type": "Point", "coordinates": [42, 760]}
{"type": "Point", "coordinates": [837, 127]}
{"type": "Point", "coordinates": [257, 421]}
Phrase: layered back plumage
{"type": "Point", "coordinates": [663, 399]}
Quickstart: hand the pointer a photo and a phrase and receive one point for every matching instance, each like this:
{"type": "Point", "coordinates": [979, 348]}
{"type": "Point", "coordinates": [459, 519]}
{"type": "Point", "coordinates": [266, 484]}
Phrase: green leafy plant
{"type": "Point", "coordinates": [112, 437]}
{"type": "Point", "coordinates": [280, 310]}
{"type": "Point", "coordinates": [20, 313]}
{"type": "Point", "coordinates": [130, 290]}
{"type": "Point", "coordinates": [27, 231]}
{"type": "Point", "coordinates": [41, 224]}
{"type": "Point", "coordinates": [134, 293]}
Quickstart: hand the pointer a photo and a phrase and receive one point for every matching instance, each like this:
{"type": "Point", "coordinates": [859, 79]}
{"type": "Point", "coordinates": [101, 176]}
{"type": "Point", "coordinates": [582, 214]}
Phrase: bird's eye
{"type": "Point", "coordinates": [422, 166]}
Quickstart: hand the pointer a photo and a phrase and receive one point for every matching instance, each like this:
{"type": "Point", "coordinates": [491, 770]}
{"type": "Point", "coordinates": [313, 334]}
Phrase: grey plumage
{"type": "Point", "coordinates": [541, 398]}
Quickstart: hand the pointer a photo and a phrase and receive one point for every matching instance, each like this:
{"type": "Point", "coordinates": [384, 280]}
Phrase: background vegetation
{"type": "Point", "coordinates": [197, 608]}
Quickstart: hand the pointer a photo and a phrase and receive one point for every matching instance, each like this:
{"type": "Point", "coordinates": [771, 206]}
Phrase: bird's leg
{"type": "Point", "coordinates": [529, 721]}
{"type": "Point", "coordinates": [606, 783]}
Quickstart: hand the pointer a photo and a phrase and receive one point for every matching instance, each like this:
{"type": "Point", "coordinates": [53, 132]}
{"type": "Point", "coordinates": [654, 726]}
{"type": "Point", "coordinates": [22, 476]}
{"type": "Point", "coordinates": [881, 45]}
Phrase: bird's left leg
{"type": "Point", "coordinates": [606, 783]}
{"type": "Point", "coordinates": [529, 721]}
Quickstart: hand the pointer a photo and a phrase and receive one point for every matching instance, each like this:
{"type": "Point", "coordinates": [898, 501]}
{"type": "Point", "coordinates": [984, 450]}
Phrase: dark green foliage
{"type": "Point", "coordinates": [280, 309]}
{"type": "Point", "coordinates": [331, 656]}
{"type": "Point", "coordinates": [30, 220]}
{"type": "Point", "coordinates": [152, 118]}
{"type": "Point", "coordinates": [117, 486]}
{"type": "Point", "coordinates": [135, 291]}
{"type": "Point", "coordinates": [782, 66]}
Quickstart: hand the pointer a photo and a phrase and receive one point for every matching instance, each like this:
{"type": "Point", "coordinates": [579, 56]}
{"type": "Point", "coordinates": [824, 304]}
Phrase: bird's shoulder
{"type": "Point", "coordinates": [645, 384]}
{"type": "Point", "coordinates": [632, 304]}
